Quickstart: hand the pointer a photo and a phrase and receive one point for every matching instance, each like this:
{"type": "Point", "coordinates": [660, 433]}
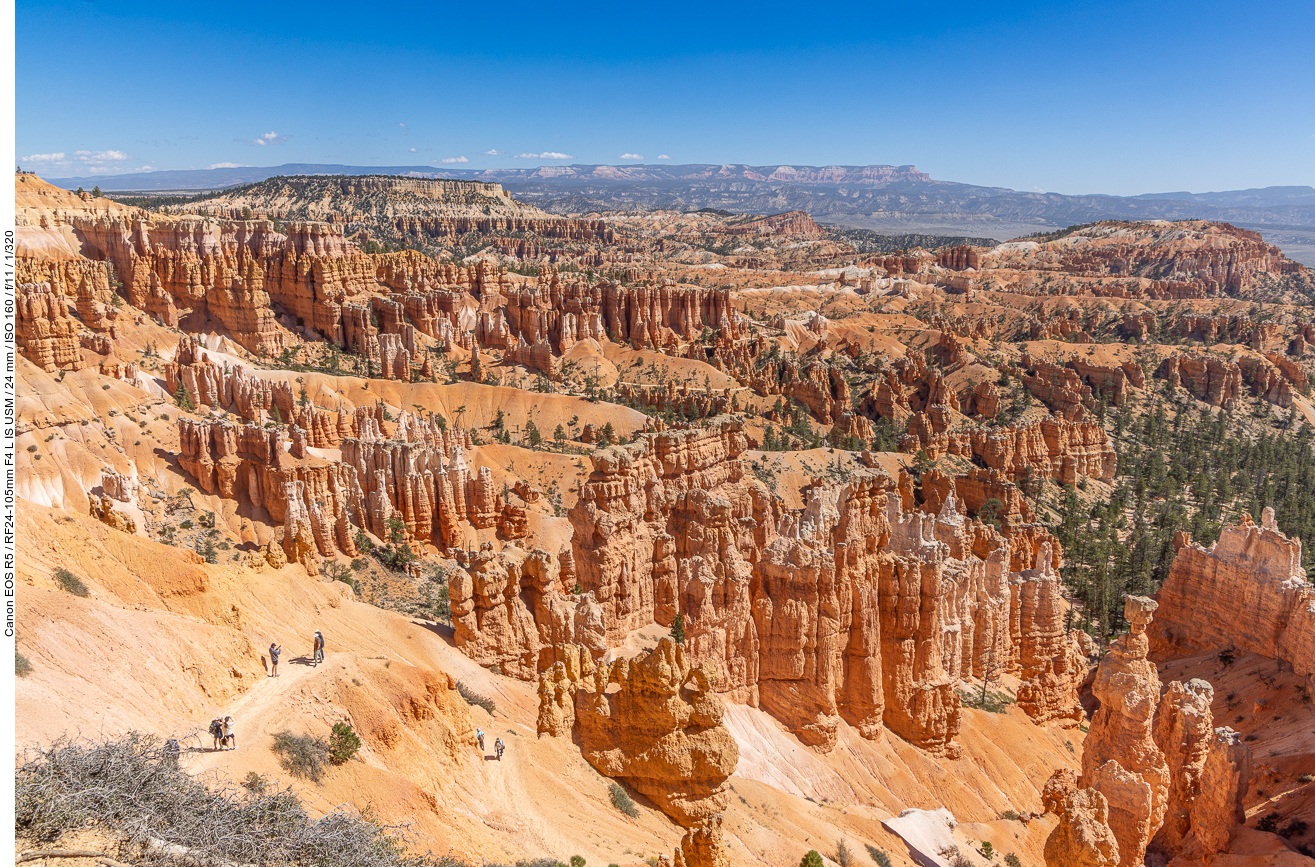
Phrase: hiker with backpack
{"type": "Point", "coordinates": [479, 736]}
{"type": "Point", "coordinates": [317, 650]}
{"type": "Point", "coordinates": [498, 747]}
{"type": "Point", "coordinates": [274, 651]}
{"type": "Point", "coordinates": [216, 732]}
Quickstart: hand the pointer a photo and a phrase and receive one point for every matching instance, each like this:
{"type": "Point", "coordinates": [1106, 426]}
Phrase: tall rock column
{"type": "Point", "coordinates": [1121, 759]}
{"type": "Point", "coordinates": [1053, 666]}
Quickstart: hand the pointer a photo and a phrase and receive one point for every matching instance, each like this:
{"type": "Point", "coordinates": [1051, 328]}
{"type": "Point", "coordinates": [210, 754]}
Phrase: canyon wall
{"type": "Point", "coordinates": [848, 608]}
{"type": "Point", "coordinates": [1247, 592]}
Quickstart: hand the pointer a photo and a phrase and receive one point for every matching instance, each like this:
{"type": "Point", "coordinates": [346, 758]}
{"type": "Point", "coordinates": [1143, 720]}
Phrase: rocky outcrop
{"type": "Point", "coordinates": [46, 333]}
{"type": "Point", "coordinates": [794, 224]}
{"type": "Point", "coordinates": [1274, 377]}
{"type": "Point", "coordinates": [959, 258]}
{"type": "Point", "coordinates": [388, 206]}
{"type": "Point", "coordinates": [1058, 387]}
{"type": "Point", "coordinates": [1193, 259]}
{"type": "Point", "coordinates": [1109, 381]}
{"type": "Point", "coordinates": [1047, 449]}
{"type": "Point", "coordinates": [1246, 592]}
{"type": "Point", "coordinates": [1054, 666]}
{"type": "Point", "coordinates": [1216, 381]}
{"type": "Point", "coordinates": [512, 611]}
{"type": "Point", "coordinates": [1217, 811]}
{"type": "Point", "coordinates": [1083, 837]}
{"type": "Point", "coordinates": [102, 509]}
{"type": "Point", "coordinates": [660, 730]}
{"type": "Point", "coordinates": [1184, 727]}
{"type": "Point", "coordinates": [1120, 758]}
{"type": "Point", "coordinates": [848, 608]}
{"type": "Point", "coordinates": [1174, 782]}
{"type": "Point", "coordinates": [559, 313]}
{"type": "Point", "coordinates": [315, 501]}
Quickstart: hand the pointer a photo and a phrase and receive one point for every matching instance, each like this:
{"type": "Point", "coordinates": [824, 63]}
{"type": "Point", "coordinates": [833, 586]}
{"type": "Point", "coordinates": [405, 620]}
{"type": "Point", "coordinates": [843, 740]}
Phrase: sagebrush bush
{"type": "Point", "coordinates": [22, 667]}
{"type": "Point", "coordinates": [71, 583]}
{"type": "Point", "coordinates": [131, 787]}
{"type": "Point", "coordinates": [879, 856]}
{"type": "Point", "coordinates": [622, 801]}
{"type": "Point", "coordinates": [474, 698]}
{"type": "Point", "coordinates": [301, 755]}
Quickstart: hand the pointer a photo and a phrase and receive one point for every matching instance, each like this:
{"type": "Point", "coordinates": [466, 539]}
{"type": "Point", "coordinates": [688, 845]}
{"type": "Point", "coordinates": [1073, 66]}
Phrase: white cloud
{"type": "Point", "coordinates": [412, 150]}
{"type": "Point", "coordinates": [663, 157]}
{"type": "Point", "coordinates": [227, 165]}
{"type": "Point", "coordinates": [632, 156]}
{"type": "Point", "coordinates": [268, 138]}
{"type": "Point", "coordinates": [44, 158]}
{"type": "Point", "coordinates": [454, 160]}
{"type": "Point", "coordinates": [101, 156]}
{"type": "Point", "coordinates": [546, 155]}
{"type": "Point", "coordinates": [495, 153]}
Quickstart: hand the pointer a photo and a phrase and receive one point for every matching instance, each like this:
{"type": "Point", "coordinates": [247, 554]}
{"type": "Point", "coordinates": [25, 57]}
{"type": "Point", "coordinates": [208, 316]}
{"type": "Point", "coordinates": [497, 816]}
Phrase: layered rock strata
{"type": "Point", "coordinates": [660, 730]}
{"type": "Point", "coordinates": [1247, 592]}
{"type": "Point", "coordinates": [415, 482]}
{"type": "Point", "coordinates": [849, 608]}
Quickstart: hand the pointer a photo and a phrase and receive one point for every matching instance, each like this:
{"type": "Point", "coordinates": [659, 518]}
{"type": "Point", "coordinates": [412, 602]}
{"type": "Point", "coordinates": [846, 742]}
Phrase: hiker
{"type": "Point", "coordinates": [274, 651]}
{"type": "Point", "coordinates": [317, 653]}
{"type": "Point", "coordinates": [498, 747]}
{"type": "Point", "coordinates": [217, 732]}
{"type": "Point", "coordinates": [230, 733]}
{"type": "Point", "coordinates": [479, 736]}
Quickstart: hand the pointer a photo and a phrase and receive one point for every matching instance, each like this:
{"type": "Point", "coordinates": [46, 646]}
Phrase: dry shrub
{"type": "Point", "coordinates": [129, 786]}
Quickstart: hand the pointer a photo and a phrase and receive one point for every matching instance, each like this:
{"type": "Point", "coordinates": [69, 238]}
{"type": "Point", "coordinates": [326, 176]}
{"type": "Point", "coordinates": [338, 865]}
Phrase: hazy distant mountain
{"type": "Point", "coordinates": [898, 199]}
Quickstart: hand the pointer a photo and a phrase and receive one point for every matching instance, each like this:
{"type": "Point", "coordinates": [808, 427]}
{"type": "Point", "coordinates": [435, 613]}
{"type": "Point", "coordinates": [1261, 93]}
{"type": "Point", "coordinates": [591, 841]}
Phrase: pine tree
{"type": "Point", "coordinates": [183, 399]}
{"type": "Point", "coordinates": [678, 629]}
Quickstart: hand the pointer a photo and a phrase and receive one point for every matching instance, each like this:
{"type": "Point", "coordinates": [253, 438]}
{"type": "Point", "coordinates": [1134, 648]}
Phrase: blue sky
{"type": "Point", "coordinates": [1101, 97]}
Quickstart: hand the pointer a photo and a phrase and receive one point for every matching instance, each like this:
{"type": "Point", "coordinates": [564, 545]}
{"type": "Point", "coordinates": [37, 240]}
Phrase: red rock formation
{"type": "Point", "coordinates": [1120, 758]}
{"type": "Point", "coordinates": [102, 509]}
{"type": "Point", "coordinates": [45, 331]}
{"type": "Point", "coordinates": [1083, 837]}
{"type": "Point", "coordinates": [1184, 727]}
{"type": "Point", "coordinates": [1059, 388]}
{"type": "Point", "coordinates": [660, 730]}
{"type": "Point", "coordinates": [560, 313]}
{"type": "Point", "coordinates": [1218, 810]}
{"type": "Point", "coordinates": [87, 282]}
{"type": "Point", "coordinates": [118, 486]}
{"type": "Point", "coordinates": [1109, 381]}
{"type": "Point", "coordinates": [1048, 449]}
{"type": "Point", "coordinates": [1216, 381]}
{"type": "Point", "coordinates": [846, 608]}
{"type": "Point", "coordinates": [794, 224]}
{"type": "Point", "coordinates": [958, 258]}
{"type": "Point", "coordinates": [1053, 664]}
{"type": "Point", "coordinates": [1246, 592]}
